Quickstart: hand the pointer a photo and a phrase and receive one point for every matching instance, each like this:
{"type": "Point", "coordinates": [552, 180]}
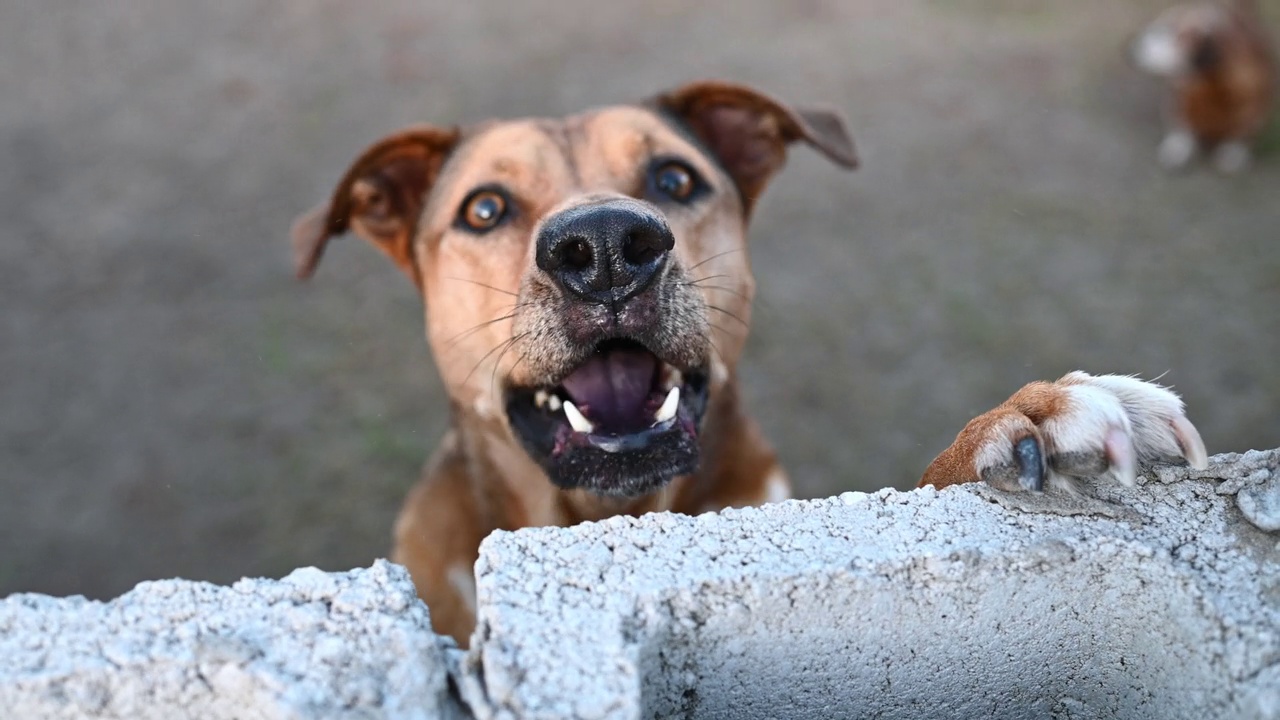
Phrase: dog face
{"type": "Point", "coordinates": [1182, 40]}
{"type": "Point", "coordinates": [586, 282]}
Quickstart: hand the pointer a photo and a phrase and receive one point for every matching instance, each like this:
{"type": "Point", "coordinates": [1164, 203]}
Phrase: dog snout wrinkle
{"type": "Point", "coordinates": [604, 253]}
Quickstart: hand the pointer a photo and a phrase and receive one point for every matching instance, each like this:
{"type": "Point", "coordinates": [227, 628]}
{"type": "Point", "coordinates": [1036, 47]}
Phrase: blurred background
{"type": "Point", "coordinates": [173, 403]}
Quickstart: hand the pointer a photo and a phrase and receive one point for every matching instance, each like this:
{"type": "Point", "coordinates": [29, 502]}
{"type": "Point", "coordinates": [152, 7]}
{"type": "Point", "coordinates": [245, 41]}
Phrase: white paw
{"type": "Point", "coordinates": [1232, 158]}
{"type": "Point", "coordinates": [1110, 424]}
{"type": "Point", "coordinates": [1090, 436]}
{"type": "Point", "coordinates": [1082, 426]}
{"type": "Point", "coordinates": [1176, 150]}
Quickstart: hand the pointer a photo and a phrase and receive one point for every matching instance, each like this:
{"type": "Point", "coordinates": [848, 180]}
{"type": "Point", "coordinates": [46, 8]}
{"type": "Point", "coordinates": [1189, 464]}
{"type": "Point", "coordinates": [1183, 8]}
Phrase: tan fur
{"type": "Point", "coordinates": [492, 319]}
{"type": "Point", "coordinates": [1012, 420]}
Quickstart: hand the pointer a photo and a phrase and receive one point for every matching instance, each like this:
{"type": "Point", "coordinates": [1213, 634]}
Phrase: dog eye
{"type": "Point", "coordinates": [483, 210]}
{"type": "Point", "coordinates": [675, 180]}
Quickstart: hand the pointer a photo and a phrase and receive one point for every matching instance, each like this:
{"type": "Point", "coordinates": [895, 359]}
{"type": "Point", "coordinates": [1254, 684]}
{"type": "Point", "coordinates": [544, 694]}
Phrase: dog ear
{"type": "Point", "coordinates": [379, 199]}
{"type": "Point", "coordinates": [749, 131]}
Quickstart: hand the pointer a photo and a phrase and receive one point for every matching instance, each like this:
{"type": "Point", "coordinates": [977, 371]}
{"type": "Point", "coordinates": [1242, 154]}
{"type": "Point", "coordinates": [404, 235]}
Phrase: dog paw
{"type": "Point", "coordinates": [1081, 426]}
{"type": "Point", "coordinates": [1232, 158]}
{"type": "Point", "coordinates": [1176, 150]}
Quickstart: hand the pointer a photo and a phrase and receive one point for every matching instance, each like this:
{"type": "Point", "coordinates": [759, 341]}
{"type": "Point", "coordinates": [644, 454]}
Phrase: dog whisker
{"type": "Point", "coordinates": [706, 278]}
{"type": "Point", "coordinates": [483, 285]}
{"type": "Point", "coordinates": [720, 328]}
{"type": "Point", "coordinates": [726, 312]}
{"type": "Point", "coordinates": [756, 300]}
{"type": "Point", "coordinates": [451, 342]}
{"type": "Point", "coordinates": [505, 343]}
{"type": "Point", "coordinates": [493, 376]}
{"type": "Point", "coordinates": [523, 356]}
{"type": "Point", "coordinates": [722, 288]}
{"type": "Point", "coordinates": [717, 255]}
{"type": "Point", "coordinates": [711, 343]}
{"type": "Point", "coordinates": [462, 335]}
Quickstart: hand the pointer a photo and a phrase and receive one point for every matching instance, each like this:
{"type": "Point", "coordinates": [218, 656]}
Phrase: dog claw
{"type": "Point", "coordinates": [1124, 461]}
{"type": "Point", "coordinates": [1031, 464]}
{"type": "Point", "coordinates": [1190, 442]}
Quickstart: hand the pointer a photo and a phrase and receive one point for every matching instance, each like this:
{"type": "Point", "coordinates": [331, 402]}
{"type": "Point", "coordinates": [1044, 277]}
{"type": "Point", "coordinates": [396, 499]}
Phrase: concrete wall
{"type": "Point", "coordinates": [313, 645]}
{"type": "Point", "coordinates": [1158, 602]}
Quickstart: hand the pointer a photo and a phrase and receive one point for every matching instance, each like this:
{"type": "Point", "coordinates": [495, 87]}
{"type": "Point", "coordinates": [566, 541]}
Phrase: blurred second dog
{"type": "Point", "coordinates": [1220, 66]}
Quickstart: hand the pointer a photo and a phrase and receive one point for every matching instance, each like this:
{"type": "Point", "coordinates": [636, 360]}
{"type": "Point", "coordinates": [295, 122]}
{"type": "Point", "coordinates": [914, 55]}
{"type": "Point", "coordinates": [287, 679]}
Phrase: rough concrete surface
{"type": "Point", "coordinates": [1160, 601]}
{"type": "Point", "coordinates": [313, 645]}
{"type": "Point", "coordinates": [1156, 602]}
{"type": "Point", "coordinates": [172, 403]}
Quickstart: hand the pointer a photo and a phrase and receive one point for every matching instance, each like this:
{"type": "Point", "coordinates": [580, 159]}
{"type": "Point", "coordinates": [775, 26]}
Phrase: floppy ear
{"type": "Point", "coordinates": [749, 131]}
{"type": "Point", "coordinates": [379, 198]}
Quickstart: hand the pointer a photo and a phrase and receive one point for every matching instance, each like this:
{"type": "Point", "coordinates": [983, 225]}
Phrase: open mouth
{"type": "Point", "coordinates": [623, 422]}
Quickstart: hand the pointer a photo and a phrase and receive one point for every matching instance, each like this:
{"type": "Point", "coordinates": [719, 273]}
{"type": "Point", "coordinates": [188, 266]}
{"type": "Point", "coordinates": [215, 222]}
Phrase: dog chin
{"type": "Point", "coordinates": [641, 470]}
{"type": "Point", "coordinates": [623, 423]}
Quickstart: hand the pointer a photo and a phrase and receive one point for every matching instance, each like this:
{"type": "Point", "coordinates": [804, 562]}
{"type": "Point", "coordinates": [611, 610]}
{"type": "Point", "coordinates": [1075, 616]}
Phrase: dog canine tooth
{"type": "Point", "coordinates": [553, 403]}
{"type": "Point", "coordinates": [576, 419]}
{"type": "Point", "coordinates": [668, 409]}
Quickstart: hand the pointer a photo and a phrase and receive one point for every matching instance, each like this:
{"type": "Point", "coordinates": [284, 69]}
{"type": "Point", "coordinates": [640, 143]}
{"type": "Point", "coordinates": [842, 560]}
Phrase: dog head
{"type": "Point", "coordinates": [1185, 40]}
{"type": "Point", "coordinates": [586, 282]}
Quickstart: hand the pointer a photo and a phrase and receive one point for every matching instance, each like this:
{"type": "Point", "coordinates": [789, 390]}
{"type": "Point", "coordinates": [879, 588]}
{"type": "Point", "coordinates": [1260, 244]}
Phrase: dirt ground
{"type": "Point", "coordinates": [172, 403]}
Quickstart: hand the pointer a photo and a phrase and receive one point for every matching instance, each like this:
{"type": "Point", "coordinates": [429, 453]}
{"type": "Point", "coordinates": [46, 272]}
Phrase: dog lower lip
{"type": "Point", "coordinates": [633, 441]}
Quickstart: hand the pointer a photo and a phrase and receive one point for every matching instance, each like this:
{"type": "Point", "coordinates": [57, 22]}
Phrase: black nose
{"type": "Point", "coordinates": [606, 252]}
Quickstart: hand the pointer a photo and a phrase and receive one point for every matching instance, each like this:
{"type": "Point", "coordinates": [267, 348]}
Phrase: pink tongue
{"type": "Point", "coordinates": [614, 387]}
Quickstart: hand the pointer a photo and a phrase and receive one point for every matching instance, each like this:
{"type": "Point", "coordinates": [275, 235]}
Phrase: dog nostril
{"type": "Point", "coordinates": [643, 247]}
{"type": "Point", "coordinates": [577, 254]}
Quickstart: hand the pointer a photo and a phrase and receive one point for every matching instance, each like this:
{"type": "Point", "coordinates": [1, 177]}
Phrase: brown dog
{"type": "Point", "coordinates": [1218, 62]}
{"type": "Point", "coordinates": [587, 293]}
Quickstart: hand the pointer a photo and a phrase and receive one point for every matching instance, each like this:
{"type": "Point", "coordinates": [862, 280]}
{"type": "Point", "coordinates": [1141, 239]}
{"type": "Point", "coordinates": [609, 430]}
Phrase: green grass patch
{"type": "Point", "coordinates": [1268, 143]}
{"type": "Point", "coordinates": [385, 444]}
{"type": "Point", "coordinates": [274, 351]}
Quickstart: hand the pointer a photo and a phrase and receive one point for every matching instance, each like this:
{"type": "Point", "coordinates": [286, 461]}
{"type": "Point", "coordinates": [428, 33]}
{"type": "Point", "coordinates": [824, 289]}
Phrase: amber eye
{"type": "Point", "coordinates": [675, 180]}
{"type": "Point", "coordinates": [483, 210]}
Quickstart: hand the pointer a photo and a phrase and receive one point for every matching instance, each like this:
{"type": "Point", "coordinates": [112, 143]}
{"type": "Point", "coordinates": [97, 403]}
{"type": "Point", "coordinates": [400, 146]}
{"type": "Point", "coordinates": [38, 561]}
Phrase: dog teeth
{"type": "Point", "coordinates": [576, 420]}
{"type": "Point", "coordinates": [544, 399]}
{"type": "Point", "coordinates": [668, 409]}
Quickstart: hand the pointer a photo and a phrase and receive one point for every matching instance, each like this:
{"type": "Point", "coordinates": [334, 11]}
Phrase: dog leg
{"type": "Point", "coordinates": [1177, 149]}
{"type": "Point", "coordinates": [764, 484]}
{"type": "Point", "coordinates": [437, 538]}
{"type": "Point", "coordinates": [1231, 158]}
{"type": "Point", "coordinates": [1080, 426]}
{"type": "Point", "coordinates": [741, 468]}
